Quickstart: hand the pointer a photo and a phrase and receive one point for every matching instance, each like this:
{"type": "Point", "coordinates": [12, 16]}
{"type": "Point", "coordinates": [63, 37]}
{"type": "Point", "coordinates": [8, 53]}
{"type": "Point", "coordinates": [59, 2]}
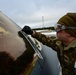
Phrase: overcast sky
{"type": "Point", "coordinates": [36, 12]}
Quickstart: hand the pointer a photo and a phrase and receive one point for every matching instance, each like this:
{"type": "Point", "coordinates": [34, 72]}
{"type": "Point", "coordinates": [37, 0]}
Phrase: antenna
{"type": "Point", "coordinates": [43, 21]}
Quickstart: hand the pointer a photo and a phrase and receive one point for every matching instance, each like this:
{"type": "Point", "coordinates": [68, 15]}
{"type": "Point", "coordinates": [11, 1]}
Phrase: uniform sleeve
{"type": "Point", "coordinates": [46, 40]}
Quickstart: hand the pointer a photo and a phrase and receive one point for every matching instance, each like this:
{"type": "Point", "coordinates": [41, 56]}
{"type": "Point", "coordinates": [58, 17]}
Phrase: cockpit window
{"type": "Point", "coordinates": [3, 31]}
{"type": "Point", "coordinates": [16, 53]}
{"type": "Point", "coordinates": [10, 40]}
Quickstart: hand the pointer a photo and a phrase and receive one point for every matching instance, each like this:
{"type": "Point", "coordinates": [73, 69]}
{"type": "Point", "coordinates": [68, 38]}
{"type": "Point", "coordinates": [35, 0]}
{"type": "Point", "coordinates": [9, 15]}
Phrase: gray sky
{"type": "Point", "coordinates": [30, 12]}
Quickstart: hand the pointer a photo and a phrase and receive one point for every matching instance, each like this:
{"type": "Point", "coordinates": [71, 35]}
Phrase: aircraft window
{"type": "Point", "coordinates": [10, 40]}
{"type": "Point", "coordinates": [14, 44]}
{"type": "Point", "coordinates": [3, 31]}
{"type": "Point", "coordinates": [9, 43]}
{"type": "Point", "coordinates": [8, 24]}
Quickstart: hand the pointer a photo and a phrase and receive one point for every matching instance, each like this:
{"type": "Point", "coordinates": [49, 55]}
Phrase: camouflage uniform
{"type": "Point", "coordinates": [66, 55]}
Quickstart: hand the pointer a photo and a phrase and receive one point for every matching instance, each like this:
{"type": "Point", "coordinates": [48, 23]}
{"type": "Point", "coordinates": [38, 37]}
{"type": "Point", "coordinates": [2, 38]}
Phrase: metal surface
{"type": "Point", "coordinates": [33, 45]}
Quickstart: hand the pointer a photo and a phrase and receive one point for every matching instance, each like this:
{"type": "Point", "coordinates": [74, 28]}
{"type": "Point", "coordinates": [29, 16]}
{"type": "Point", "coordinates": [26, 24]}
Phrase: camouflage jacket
{"type": "Point", "coordinates": [66, 55]}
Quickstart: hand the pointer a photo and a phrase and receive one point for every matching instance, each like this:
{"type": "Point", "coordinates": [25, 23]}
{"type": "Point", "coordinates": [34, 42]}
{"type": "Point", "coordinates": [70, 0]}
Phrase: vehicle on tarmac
{"type": "Point", "coordinates": [20, 54]}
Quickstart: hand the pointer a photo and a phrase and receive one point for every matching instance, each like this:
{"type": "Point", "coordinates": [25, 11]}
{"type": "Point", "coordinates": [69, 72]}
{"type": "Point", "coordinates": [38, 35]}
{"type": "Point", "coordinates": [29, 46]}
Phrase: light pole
{"type": "Point", "coordinates": [43, 21]}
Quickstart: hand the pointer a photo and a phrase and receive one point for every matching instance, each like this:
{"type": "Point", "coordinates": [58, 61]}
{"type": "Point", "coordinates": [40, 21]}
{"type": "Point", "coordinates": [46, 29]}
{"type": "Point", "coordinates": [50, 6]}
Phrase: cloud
{"type": "Point", "coordinates": [50, 14]}
{"type": "Point", "coordinates": [30, 12]}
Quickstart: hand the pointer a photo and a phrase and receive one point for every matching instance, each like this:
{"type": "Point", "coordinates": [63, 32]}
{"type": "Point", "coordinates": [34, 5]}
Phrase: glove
{"type": "Point", "coordinates": [27, 30]}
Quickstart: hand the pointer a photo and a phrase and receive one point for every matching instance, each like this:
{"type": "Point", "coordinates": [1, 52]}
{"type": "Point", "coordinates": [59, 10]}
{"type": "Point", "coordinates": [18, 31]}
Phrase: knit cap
{"type": "Point", "coordinates": [69, 20]}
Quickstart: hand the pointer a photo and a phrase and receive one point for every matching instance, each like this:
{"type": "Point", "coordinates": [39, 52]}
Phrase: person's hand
{"type": "Point", "coordinates": [27, 30]}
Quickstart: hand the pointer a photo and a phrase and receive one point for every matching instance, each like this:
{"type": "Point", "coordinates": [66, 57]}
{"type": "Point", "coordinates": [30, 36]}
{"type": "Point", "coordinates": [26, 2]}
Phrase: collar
{"type": "Point", "coordinates": [72, 44]}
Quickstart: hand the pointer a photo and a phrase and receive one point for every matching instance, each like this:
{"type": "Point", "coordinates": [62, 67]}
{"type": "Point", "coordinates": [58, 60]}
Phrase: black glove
{"type": "Point", "coordinates": [27, 30]}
